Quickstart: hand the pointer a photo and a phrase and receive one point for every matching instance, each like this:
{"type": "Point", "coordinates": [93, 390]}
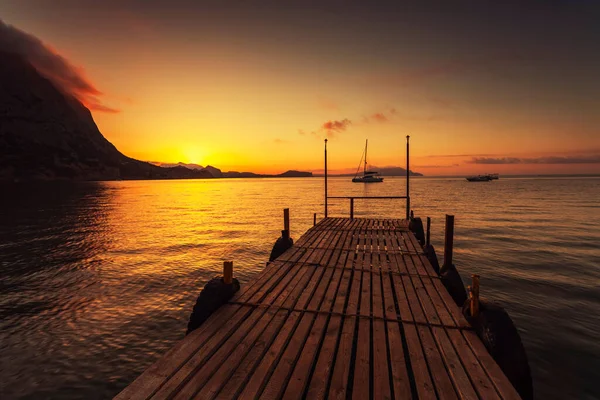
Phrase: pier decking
{"type": "Point", "coordinates": [353, 309]}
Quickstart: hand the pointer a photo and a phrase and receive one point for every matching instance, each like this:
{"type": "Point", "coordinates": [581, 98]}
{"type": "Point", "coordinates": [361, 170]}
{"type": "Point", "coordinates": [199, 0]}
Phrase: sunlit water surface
{"type": "Point", "coordinates": [98, 279]}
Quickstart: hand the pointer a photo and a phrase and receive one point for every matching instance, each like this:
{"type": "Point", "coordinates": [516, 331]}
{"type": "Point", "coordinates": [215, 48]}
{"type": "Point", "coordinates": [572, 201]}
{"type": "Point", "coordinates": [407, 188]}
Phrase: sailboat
{"type": "Point", "coordinates": [368, 176]}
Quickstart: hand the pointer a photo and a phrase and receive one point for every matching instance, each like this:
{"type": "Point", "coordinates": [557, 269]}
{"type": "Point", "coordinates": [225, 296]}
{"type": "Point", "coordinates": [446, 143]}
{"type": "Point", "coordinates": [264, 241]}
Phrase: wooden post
{"type": "Point", "coordinates": [228, 272]}
{"type": "Point", "coordinates": [325, 178]}
{"type": "Point", "coordinates": [427, 242]}
{"type": "Point", "coordinates": [314, 219]}
{"type": "Point", "coordinates": [286, 220]}
{"type": "Point", "coordinates": [351, 207]}
{"type": "Point", "coordinates": [474, 295]}
{"type": "Point", "coordinates": [449, 241]}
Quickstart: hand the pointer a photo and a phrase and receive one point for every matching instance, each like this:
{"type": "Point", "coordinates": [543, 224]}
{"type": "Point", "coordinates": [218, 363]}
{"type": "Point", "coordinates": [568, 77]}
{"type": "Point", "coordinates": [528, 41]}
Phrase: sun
{"type": "Point", "coordinates": [194, 155]}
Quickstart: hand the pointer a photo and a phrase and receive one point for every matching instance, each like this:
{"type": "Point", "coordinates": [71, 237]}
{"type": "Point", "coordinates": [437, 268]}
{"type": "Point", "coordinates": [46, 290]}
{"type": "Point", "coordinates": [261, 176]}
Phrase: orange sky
{"type": "Point", "coordinates": [253, 89]}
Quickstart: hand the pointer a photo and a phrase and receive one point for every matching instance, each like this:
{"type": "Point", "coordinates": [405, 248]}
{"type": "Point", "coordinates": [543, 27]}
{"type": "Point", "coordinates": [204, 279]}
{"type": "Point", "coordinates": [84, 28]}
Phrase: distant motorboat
{"type": "Point", "coordinates": [493, 176]}
{"type": "Point", "coordinates": [479, 178]}
{"type": "Point", "coordinates": [367, 176]}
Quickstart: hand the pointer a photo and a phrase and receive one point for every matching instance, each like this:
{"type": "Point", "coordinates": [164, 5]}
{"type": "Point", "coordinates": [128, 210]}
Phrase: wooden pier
{"type": "Point", "coordinates": [352, 310]}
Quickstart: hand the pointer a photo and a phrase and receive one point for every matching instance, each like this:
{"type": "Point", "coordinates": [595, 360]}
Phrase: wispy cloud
{"type": "Point", "coordinates": [591, 159]}
{"type": "Point", "coordinates": [48, 62]}
{"type": "Point", "coordinates": [379, 117]}
{"type": "Point", "coordinates": [280, 141]}
{"type": "Point", "coordinates": [328, 104]}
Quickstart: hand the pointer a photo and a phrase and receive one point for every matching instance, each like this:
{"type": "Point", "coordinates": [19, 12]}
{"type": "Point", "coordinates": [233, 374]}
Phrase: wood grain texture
{"type": "Point", "coordinates": [352, 310]}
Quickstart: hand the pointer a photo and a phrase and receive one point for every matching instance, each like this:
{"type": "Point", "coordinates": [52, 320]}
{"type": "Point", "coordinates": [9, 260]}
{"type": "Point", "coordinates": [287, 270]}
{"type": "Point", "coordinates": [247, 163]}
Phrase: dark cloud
{"type": "Point", "coordinates": [591, 159]}
{"type": "Point", "coordinates": [64, 75]}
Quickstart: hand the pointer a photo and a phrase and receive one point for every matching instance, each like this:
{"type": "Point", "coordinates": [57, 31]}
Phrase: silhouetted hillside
{"type": "Point", "coordinates": [46, 134]}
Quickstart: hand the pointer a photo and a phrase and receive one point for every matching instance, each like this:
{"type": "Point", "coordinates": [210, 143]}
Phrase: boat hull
{"type": "Point", "coordinates": [479, 179]}
{"type": "Point", "coordinates": [367, 179]}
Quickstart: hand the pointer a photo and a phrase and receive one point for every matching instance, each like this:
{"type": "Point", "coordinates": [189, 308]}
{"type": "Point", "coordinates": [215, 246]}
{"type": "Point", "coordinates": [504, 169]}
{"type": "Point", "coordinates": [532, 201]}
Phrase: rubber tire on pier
{"type": "Point", "coordinates": [214, 295]}
{"type": "Point", "coordinates": [432, 257]}
{"type": "Point", "coordinates": [281, 245]}
{"type": "Point", "coordinates": [454, 284]}
{"type": "Point", "coordinates": [501, 338]}
{"type": "Point", "coordinates": [416, 226]}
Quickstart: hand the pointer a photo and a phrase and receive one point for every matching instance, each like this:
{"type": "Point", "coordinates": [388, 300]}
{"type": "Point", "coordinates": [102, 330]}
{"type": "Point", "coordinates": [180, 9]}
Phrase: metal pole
{"type": "Point", "coordinates": [407, 177]}
{"type": "Point", "coordinates": [351, 207]}
{"type": "Point", "coordinates": [325, 178]}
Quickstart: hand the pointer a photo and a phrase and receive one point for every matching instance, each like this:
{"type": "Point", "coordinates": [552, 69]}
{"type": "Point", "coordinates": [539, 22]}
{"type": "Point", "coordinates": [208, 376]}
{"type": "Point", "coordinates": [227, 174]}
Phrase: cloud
{"type": "Point", "coordinates": [591, 159]}
{"type": "Point", "coordinates": [280, 141]}
{"type": "Point", "coordinates": [65, 76]}
{"type": "Point", "coordinates": [379, 117]}
{"type": "Point", "coordinates": [332, 127]}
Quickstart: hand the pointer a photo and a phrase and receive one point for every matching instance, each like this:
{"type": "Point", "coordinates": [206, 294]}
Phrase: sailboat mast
{"type": "Point", "coordinates": [365, 170]}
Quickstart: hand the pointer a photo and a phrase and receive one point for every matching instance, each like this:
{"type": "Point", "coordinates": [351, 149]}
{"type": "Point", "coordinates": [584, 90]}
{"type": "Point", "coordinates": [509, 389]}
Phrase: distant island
{"type": "Point", "coordinates": [217, 173]}
{"type": "Point", "coordinates": [46, 134]}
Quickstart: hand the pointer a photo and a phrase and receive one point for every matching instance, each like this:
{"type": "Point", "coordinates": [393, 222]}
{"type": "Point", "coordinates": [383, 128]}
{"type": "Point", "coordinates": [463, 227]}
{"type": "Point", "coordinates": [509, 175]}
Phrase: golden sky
{"type": "Point", "coordinates": [258, 88]}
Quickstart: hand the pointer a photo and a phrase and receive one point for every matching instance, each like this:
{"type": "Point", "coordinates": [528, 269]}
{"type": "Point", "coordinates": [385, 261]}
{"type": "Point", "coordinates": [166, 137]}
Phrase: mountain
{"type": "Point", "coordinates": [47, 134]}
{"type": "Point", "coordinates": [395, 171]}
{"type": "Point", "coordinates": [179, 164]}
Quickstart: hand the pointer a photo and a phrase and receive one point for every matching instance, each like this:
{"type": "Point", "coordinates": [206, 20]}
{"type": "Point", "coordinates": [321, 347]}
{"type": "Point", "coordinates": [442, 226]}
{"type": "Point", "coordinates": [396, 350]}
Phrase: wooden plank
{"type": "Point", "coordinates": [229, 352]}
{"type": "Point", "coordinates": [341, 369]}
{"type": "Point", "coordinates": [451, 306]}
{"type": "Point", "coordinates": [440, 307]}
{"type": "Point", "coordinates": [365, 290]}
{"type": "Point", "coordinates": [232, 385]}
{"type": "Point", "coordinates": [267, 364]}
{"type": "Point", "coordinates": [278, 381]}
{"type": "Point", "coordinates": [388, 297]}
{"type": "Point", "coordinates": [381, 373]}
{"type": "Point", "coordinates": [152, 379]}
{"type": "Point", "coordinates": [423, 384]}
{"type": "Point", "coordinates": [361, 387]}
{"type": "Point", "coordinates": [501, 383]}
{"type": "Point", "coordinates": [297, 383]}
{"type": "Point", "coordinates": [481, 381]}
{"type": "Point", "coordinates": [413, 301]}
{"type": "Point", "coordinates": [344, 289]}
{"type": "Point", "coordinates": [439, 374]}
{"type": "Point", "coordinates": [454, 366]}
{"type": "Point", "coordinates": [324, 366]}
{"type": "Point", "coordinates": [209, 347]}
{"type": "Point", "coordinates": [377, 300]}
{"type": "Point", "coordinates": [400, 378]}
{"type": "Point", "coordinates": [423, 298]}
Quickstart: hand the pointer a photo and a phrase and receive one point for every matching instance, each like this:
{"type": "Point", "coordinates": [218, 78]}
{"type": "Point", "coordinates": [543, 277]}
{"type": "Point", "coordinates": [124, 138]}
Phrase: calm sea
{"type": "Point", "coordinates": [98, 279]}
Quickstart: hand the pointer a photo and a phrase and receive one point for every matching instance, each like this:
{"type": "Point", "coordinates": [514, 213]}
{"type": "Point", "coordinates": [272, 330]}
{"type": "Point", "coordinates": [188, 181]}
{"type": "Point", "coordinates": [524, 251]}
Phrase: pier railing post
{"type": "Point", "coordinates": [325, 178]}
{"type": "Point", "coordinates": [286, 220]}
{"type": "Point", "coordinates": [314, 219]}
{"type": "Point", "coordinates": [228, 272]}
{"type": "Point", "coordinates": [351, 207]}
{"type": "Point", "coordinates": [427, 242]}
{"type": "Point", "coordinates": [407, 177]}
{"type": "Point", "coordinates": [448, 241]}
{"type": "Point", "coordinates": [474, 296]}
